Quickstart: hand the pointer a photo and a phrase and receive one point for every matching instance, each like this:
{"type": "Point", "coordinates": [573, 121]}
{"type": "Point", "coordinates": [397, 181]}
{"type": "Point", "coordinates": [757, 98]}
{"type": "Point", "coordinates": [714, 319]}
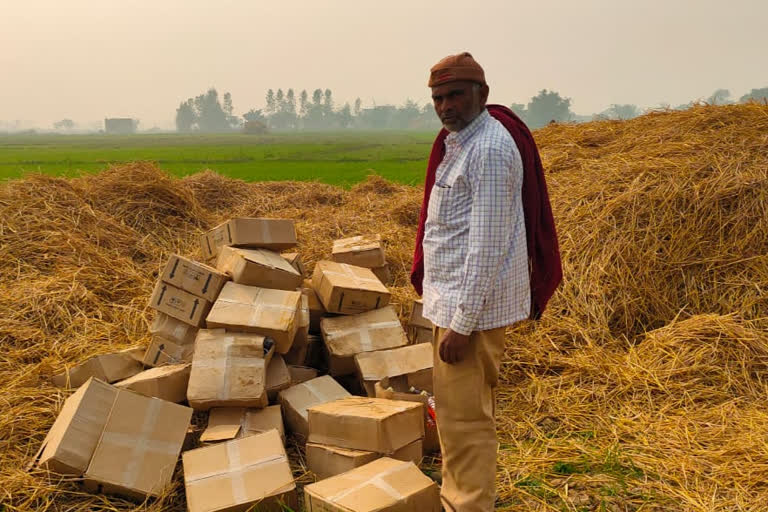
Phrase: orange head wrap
{"type": "Point", "coordinates": [456, 67]}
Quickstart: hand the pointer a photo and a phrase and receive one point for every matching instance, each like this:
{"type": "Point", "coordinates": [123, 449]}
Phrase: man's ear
{"type": "Point", "coordinates": [484, 90]}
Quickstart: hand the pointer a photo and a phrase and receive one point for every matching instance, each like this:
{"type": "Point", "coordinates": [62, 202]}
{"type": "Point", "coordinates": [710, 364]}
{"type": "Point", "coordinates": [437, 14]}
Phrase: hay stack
{"type": "Point", "coordinates": [644, 387]}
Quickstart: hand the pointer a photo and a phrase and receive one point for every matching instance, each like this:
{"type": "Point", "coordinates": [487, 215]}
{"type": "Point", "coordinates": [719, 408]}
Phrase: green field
{"type": "Point", "coordinates": [340, 159]}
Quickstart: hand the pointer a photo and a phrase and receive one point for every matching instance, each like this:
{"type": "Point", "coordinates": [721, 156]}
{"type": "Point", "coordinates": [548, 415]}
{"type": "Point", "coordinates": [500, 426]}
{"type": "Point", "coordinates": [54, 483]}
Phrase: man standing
{"type": "Point", "coordinates": [472, 259]}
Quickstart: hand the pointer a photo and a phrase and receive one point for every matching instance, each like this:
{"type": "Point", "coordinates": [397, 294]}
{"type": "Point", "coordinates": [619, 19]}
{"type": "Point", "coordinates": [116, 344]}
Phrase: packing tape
{"type": "Point", "coordinates": [348, 272]}
{"type": "Point", "coordinates": [235, 471]}
{"type": "Point", "coordinates": [377, 481]}
{"type": "Point", "coordinates": [180, 331]}
{"type": "Point", "coordinates": [366, 343]}
{"type": "Point", "coordinates": [266, 233]}
{"type": "Point", "coordinates": [141, 443]}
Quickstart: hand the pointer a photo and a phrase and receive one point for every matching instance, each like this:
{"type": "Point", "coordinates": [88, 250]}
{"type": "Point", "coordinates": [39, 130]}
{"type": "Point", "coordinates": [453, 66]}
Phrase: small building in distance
{"type": "Point", "coordinates": [120, 125]}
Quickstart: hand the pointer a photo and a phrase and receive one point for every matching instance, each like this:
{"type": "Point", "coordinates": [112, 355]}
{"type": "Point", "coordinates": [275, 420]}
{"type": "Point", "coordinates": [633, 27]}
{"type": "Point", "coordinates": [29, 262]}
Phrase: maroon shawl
{"type": "Point", "coordinates": [543, 252]}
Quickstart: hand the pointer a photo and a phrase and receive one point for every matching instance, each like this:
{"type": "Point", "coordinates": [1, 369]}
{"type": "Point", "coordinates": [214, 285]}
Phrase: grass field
{"type": "Point", "coordinates": [339, 159]}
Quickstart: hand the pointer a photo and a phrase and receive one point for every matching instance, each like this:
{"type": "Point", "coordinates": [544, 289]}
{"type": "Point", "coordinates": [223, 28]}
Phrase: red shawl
{"type": "Point", "coordinates": [543, 252]}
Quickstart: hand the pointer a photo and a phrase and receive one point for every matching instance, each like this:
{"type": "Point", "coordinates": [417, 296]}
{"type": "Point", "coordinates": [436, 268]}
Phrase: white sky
{"type": "Point", "coordinates": [89, 59]}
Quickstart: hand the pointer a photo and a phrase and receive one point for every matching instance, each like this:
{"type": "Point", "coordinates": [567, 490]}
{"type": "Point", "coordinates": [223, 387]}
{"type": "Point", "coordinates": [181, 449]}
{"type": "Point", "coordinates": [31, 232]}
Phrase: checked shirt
{"type": "Point", "coordinates": [475, 255]}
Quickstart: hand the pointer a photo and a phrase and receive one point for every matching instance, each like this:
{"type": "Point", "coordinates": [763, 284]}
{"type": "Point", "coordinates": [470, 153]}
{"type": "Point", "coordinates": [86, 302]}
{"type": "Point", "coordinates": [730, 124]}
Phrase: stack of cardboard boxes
{"type": "Point", "coordinates": [261, 352]}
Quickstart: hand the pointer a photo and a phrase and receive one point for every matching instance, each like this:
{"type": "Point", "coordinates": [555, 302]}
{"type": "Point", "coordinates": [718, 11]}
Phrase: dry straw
{"type": "Point", "coordinates": [643, 388]}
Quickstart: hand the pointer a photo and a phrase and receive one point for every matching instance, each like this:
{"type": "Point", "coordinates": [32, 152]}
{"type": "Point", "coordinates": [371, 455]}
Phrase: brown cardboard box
{"type": "Point", "coordinates": [295, 260]}
{"type": "Point", "coordinates": [397, 389]}
{"type": "Point", "coordinates": [139, 447]}
{"type": "Point", "coordinates": [384, 485]}
{"type": "Point", "coordinates": [179, 304]}
{"type": "Point", "coordinates": [171, 329]}
{"type": "Point", "coordinates": [193, 277]}
{"type": "Point", "coordinates": [107, 367]}
{"type": "Point", "coordinates": [383, 273]}
{"type": "Point", "coordinates": [258, 267]}
{"type": "Point", "coordinates": [275, 234]}
{"type": "Point", "coordinates": [316, 308]}
{"type": "Point", "coordinates": [226, 423]}
{"type": "Point", "coordinates": [317, 355]}
{"type": "Point", "coordinates": [301, 374]}
{"type": "Point", "coordinates": [347, 336]}
{"type": "Point", "coordinates": [327, 461]}
{"type": "Point", "coordinates": [272, 313]}
{"type": "Point", "coordinates": [417, 317]}
{"type": "Point", "coordinates": [165, 382]}
{"type": "Point", "coordinates": [228, 370]}
{"type": "Point", "coordinates": [69, 444]}
{"type": "Point", "coordinates": [412, 360]}
{"type": "Point", "coordinates": [347, 289]}
{"type": "Point", "coordinates": [362, 251]}
{"type": "Point", "coordinates": [418, 335]}
{"type": "Point", "coordinates": [251, 473]}
{"type": "Point", "coordinates": [372, 424]}
{"type": "Point", "coordinates": [278, 377]}
{"type": "Point", "coordinates": [162, 351]}
{"type": "Point", "coordinates": [297, 399]}
{"type": "Point", "coordinates": [298, 353]}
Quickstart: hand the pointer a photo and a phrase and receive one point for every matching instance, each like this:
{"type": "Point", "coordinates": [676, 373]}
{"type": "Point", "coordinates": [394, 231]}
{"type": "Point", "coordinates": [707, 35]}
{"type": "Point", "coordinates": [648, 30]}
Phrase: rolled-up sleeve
{"type": "Point", "coordinates": [495, 180]}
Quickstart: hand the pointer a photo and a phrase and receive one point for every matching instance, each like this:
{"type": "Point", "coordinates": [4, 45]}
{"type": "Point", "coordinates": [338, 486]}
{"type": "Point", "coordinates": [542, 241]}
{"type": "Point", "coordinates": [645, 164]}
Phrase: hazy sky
{"type": "Point", "coordinates": [89, 59]}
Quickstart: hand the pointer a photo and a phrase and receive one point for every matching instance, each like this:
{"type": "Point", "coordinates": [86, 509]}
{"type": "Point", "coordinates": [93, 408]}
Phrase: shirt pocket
{"type": "Point", "coordinates": [440, 203]}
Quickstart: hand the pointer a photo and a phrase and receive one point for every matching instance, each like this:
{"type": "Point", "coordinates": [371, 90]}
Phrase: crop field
{"type": "Point", "coordinates": [337, 159]}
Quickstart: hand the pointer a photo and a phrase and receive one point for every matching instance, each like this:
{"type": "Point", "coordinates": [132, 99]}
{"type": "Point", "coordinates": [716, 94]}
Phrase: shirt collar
{"type": "Point", "coordinates": [468, 131]}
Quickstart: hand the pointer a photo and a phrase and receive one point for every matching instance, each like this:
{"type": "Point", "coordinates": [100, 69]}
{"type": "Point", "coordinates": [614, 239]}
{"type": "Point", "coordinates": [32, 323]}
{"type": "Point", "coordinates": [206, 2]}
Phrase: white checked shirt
{"type": "Point", "coordinates": [475, 254]}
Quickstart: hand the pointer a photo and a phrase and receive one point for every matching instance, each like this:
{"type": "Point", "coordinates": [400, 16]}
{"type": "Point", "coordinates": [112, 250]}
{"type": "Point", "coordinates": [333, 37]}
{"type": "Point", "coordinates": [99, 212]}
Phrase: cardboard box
{"type": "Point", "coordinates": [416, 318]}
{"type": "Point", "coordinates": [414, 361]}
{"type": "Point", "coordinates": [347, 289]}
{"type": "Point", "coordinates": [226, 423]}
{"type": "Point", "coordinates": [251, 473]}
{"type": "Point", "coordinates": [418, 335]}
{"type": "Point", "coordinates": [162, 351]}
{"type": "Point", "coordinates": [327, 461]}
{"type": "Point", "coordinates": [278, 377]}
{"type": "Point", "coordinates": [275, 234]}
{"type": "Point", "coordinates": [295, 260]}
{"type": "Point", "coordinates": [301, 374]}
{"type": "Point", "coordinates": [193, 277]}
{"type": "Point", "coordinates": [258, 267]}
{"type": "Point", "coordinates": [179, 304]}
{"type": "Point", "coordinates": [372, 424]}
{"type": "Point", "coordinates": [171, 329]}
{"type": "Point", "coordinates": [298, 353]}
{"type": "Point", "coordinates": [317, 355]}
{"type": "Point", "coordinates": [228, 370]}
{"type": "Point", "coordinates": [165, 382]}
{"type": "Point", "coordinates": [107, 367]}
{"type": "Point", "coordinates": [297, 399]}
{"type": "Point", "coordinates": [382, 485]}
{"type": "Point", "coordinates": [362, 251]}
{"type": "Point", "coordinates": [383, 273]}
{"type": "Point", "coordinates": [397, 389]}
{"type": "Point", "coordinates": [139, 448]}
{"type": "Point", "coordinates": [316, 308]}
{"type": "Point", "coordinates": [272, 313]}
{"type": "Point", "coordinates": [68, 447]}
{"type": "Point", "coordinates": [347, 336]}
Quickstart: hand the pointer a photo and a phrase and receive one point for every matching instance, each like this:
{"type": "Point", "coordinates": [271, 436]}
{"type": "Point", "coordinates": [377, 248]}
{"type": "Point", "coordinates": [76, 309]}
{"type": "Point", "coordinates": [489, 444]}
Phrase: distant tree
{"type": "Point", "coordinates": [64, 124]}
{"type": "Point", "coordinates": [345, 116]}
{"type": "Point", "coordinates": [626, 111]}
{"type": "Point", "coordinates": [186, 117]}
{"type": "Point", "coordinates": [720, 97]}
{"type": "Point", "coordinates": [290, 105]}
{"type": "Point", "coordinates": [520, 110]}
{"type": "Point", "coordinates": [755, 95]}
{"type": "Point", "coordinates": [303, 103]}
{"type": "Point", "coordinates": [548, 106]}
{"type": "Point", "coordinates": [254, 115]}
{"type": "Point", "coordinates": [227, 107]}
{"type": "Point", "coordinates": [408, 114]}
{"type": "Point", "coordinates": [358, 107]}
{"type": "Point", "coordinates": [271, 107]}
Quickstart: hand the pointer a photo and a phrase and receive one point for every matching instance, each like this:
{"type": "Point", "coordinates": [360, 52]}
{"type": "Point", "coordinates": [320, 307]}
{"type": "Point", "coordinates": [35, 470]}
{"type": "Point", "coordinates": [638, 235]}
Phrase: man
{"type": "Point", "coordinates": [472, 259]}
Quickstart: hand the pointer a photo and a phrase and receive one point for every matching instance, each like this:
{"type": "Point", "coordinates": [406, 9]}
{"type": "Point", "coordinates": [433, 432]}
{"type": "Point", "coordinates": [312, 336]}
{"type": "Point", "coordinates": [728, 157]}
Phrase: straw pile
{"type": "Point", "coordinates": [643, 388]}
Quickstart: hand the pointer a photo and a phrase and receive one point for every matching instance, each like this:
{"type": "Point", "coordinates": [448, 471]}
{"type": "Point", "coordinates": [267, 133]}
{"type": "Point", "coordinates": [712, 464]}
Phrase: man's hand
{"type": "Point", "coordinates": [453, 346]}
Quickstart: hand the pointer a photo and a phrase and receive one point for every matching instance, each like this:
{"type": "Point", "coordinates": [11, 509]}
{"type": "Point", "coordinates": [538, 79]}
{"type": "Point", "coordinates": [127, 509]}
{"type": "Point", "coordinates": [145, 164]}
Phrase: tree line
{"type": "Point", "coordinates": [287, 111]}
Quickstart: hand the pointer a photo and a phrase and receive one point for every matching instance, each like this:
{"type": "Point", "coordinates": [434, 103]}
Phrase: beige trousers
{"type": "Point", "coordinates": [465, 406]}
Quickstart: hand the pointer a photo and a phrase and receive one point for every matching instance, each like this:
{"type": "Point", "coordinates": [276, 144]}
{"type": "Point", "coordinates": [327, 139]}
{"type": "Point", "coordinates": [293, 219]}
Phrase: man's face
{"type": "Point", "coordinates": [458, 103]}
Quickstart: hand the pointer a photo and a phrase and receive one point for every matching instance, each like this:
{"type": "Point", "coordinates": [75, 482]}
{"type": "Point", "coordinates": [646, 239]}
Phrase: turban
{"type": "Point", "coordinates": [456, 67]}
